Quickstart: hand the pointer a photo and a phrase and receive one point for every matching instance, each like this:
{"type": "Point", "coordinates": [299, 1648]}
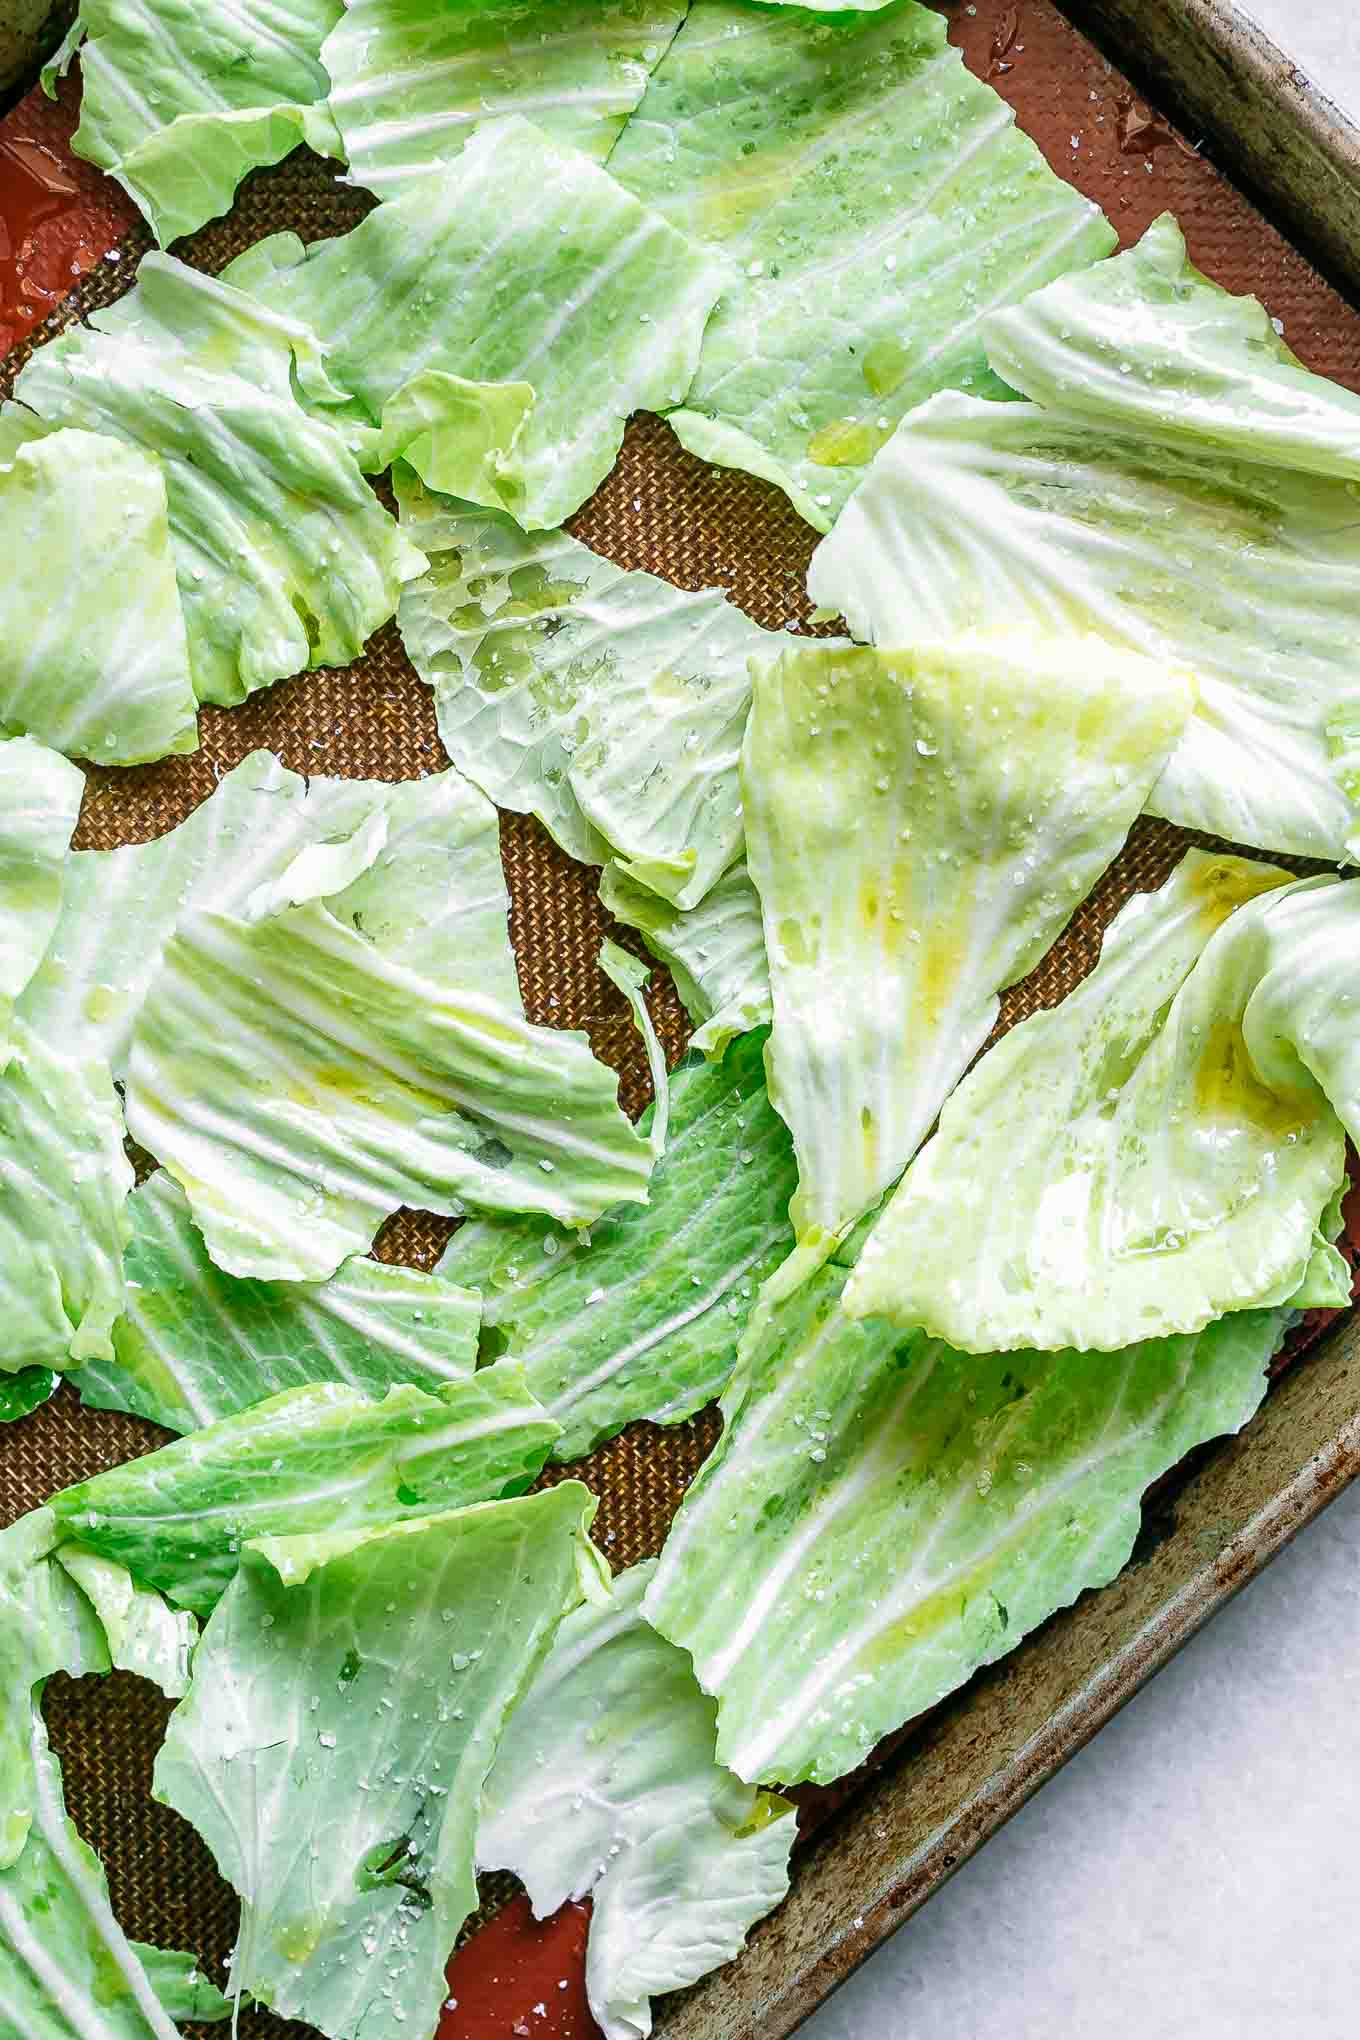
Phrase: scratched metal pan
{"type": "Point", "coordinates": [1211, 97]}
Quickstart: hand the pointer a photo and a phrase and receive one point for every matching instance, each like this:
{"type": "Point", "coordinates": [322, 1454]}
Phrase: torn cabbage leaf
{"type": "Point", "coordinates": [520, 263]}
{"type": "Point", "coordinates": [63, 1212]}
{"type": "Point", "coordinates": [179, 101]}
{"type": "Point", "coordinates": [642, 1318]}
{"type": "Point", "coordinates": [1147, 344]}
{"type": "Point", "coordinates": [606, 702]}
{"type": "Point", "coordinates": [120, 907]}
{"type": "Point", "coordinates": [195, 1345]}
{"type": "Point", "coordinates": [920, 825]}
{"type": "Point", "coordinates": [715, 951]}
{"type": "Point", "coordinates": [46, 1626]}
{"type": "Point", "coordinates": [285, 558]}
{"type": "Point", "coordinates": [411, 79]}
{"type": "Point", "coordinates": [301, 1080]}
{"type": "Point", "coordinates": [875, 200]}
{"type": "Point", "coordinates": [1008, 515]}
{"type": "Point", "coordinates": [26, 1391]}
{"type": "Point", "coordinates": [93, 655]}
{"type": "Point", "coordinates": [40, 797]}
{"type": "Point", "coordinates": [183, 1990]}
{"type": "Point", "coordinates": [144, 1635]}
{"type": "Point", "coordinates": [67, 1970]}
{"type": "Point", "coordinates": [606, 1783]}
{"type": "Point", "coordinates": [1178, 1125]}
{"type": "Point", "coordinates": [312, 1460]}
{"type": "Point", "coordinates": [882, 1514]}
{"type": "Point", "coordinates": [357, 1686]}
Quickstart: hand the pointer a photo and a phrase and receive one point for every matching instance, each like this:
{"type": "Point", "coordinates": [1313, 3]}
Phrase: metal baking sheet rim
{"type": "Point", "coordinates": [977, 1760]}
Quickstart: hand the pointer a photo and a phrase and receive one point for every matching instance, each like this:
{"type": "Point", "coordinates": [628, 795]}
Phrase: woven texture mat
{"type": "Point", "coordinates": [663, 510]}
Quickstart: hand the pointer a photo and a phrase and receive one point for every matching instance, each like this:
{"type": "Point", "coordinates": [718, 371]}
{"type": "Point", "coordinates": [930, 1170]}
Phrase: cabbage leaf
{"type": "Point", "coordinates": [882, 1514]}
{"type": "Point", "coordinates": [919, 827]}
{"type": "Point", "coordinates": [1178, 1125]}
{"type": "Point", "coordinates": [284, 557]}
{"type": "Point", "coordinates": [608, 703]}
{"type": "Point", "coordinates": [63, 1214]}
{"type": "Point", "coordinates": [875, 200]}
{"type": "Point", "coordinates": [67, 1970]}
{"type": "Point", "coordinates": [143, 1633]}
{"type": "Point", "coordinates": [348, 1697]}
{"type": "Point", "coordinates": [642, 1318]}
{"type": "Point", "coordinates": [181, 100]}
{"type": "Point", "coordinates": [46, 1626]}
{"type": "Point", "coordinates": [715, 951]}
{"type": "Point", "coordinates": [40, 797]}
{"type": "Point", "coordinates": [606, 1783]}
{"type": "Point", "coordinates": [301, 1081]}
{"type": "Point", "coordinates": [520, 264]}
{"type": "Point", "coordinates": [312, 1460]}
{"type": "Point", "coordinates": [1248, 574]}
{"type": "Point", "coordinates": [1146, 344]}
{"type": "Point", "coordinates": [195, 1345]}
{"type": "Point", "coordinates": [411, 79]}
{"type": "Point", "coordinates": [93, 655]}
{"type": "Point", "coordinates": [120, 907]}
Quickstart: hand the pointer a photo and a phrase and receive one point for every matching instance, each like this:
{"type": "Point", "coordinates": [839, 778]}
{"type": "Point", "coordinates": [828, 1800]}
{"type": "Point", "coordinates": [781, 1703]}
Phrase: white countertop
{"type": "Point", "coordinates": [1195, 1873]}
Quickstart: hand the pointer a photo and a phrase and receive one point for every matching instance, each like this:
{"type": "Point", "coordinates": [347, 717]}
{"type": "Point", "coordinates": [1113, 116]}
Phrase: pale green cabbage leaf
{"type": "Point", "coordinates": [67, 1970]}
{"type": "Point", "coordinates": [642, 1317]}
{"type": "Point", "coordinates": [179, 100]}
{"type": "Point", "coordinates": [606, 702]}
{"type": "Point", "coordinates": [93, 654]}
{"type": "Point", "coordinates": [919, 827]}
{"type": "Point", "coordinates": [143, 1633]}
{"type": "Point", "coordinates": [120, 907]}
{"type": "Point", "coordinates": [63, 1212]}
{"type": "Point", "coordinates": [46, 1626]}
{"type": "Point", "coordinates": [195, 1345]}
{"type": "Point", "coordinates": [181, 1987]}
{"type": "Point", "coordinates": [1010, 515]}
{"type": "Point", "coordinates": [1148, 344]}
{"type": "Point", "coordinates": [309, 1461]}
{"type": "Point", "coordinates": [882, 1514]}
{"type": "Point", "coordinates": [349, 1694]}
{"type": "Point", "coordinates": [715, 951]}
{"type": "Point", "coordinates": [25, 1391]}
{"type": "Point", "coordinates": [520, 263]}
{"type": "Point", "coordinates": [301, 1079]}
{"type": "Point", "coordinates": [1178, 1126]}
{"type": "Point", "coordinates": [876, 202]}
{"type": "Point", "coordinates": [411, 79]}
{"type": "Point", "coordinates": [605, 1783]}
{"type": "Point", "coordinates": [40, 797]}
{"type": "Point", "coordinates": [284, 557]}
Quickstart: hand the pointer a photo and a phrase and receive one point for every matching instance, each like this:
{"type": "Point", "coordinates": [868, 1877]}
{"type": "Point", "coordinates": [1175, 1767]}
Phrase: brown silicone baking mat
{"type": "Point", "coordinates": [665, 511]}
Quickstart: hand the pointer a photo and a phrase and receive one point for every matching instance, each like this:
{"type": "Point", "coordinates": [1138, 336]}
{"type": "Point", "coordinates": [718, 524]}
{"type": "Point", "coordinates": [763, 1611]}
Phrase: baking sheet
{"type": "Point", "coordinates": [664, 511]}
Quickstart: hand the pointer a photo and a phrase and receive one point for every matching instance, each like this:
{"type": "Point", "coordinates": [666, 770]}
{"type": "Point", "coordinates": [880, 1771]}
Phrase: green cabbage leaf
{"type": "Point", "coordinates": [605, 1783]}
{"type": "Point", "coordinates": [919, 827]}
{"type": "Point", "coordinates": [642, 1317]}
{"type": "Point", "coordinates": [312, 1460]}
{"type": "Point", "coordinates": [179, 101]}
{"type": "Point", "coordinates": [606, 702]}
{"type": "Point", "coordinates": [195, 1345]}
{"type": "Point", "coordinates": [348, 1697]}
{"type": "Point", "coordinates": [875, 200]}
{"type": "Point", "coordinates": [883, 1514]}
{"type": "Point", "coordinates": [1178, 1125]}
{"type": "Point", "coordinates": [93, 655]}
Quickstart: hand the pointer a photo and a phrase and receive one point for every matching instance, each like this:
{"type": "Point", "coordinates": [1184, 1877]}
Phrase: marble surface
{"type": "Point", "coordinates": [1195, 1873]}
